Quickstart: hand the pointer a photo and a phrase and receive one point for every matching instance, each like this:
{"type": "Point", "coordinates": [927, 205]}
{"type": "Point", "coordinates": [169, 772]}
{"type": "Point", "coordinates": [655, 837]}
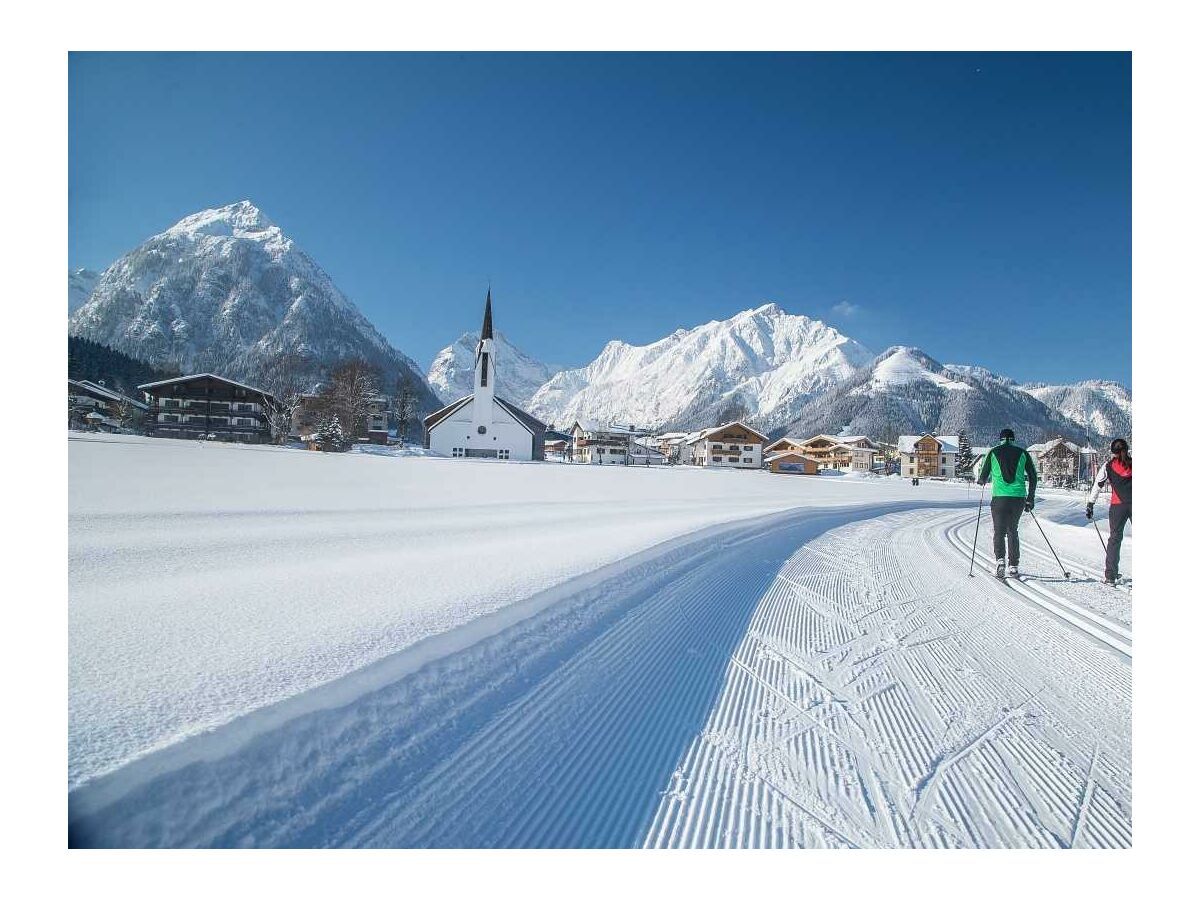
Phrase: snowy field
{"type": "Point", "coordinates": [280, 648]}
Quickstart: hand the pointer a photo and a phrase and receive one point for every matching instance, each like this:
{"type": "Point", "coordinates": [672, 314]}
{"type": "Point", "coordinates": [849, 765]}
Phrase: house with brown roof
{"type": "Point", "coordinates": [733, 445]}
{"type": "Point", "coordinates": [927, 455]}
{"type": "Point", "coordinates": [790, 462]}
{"type": "Point", "coordinates": [830, 451]}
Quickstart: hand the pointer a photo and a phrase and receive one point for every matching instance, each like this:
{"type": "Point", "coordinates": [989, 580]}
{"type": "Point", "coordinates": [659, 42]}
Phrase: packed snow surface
{"type": "Point", "coordinates": [207, 580]}
{"type": "Point", "coordinates": [417, 652]}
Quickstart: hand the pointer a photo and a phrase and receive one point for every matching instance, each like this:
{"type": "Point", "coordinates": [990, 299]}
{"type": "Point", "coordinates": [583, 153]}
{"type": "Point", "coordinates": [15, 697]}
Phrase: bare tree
{"type": "Point", "coordinates": [350, 393]}
{"type": "Point", "coordinates": [286, 379]}
{"type": "Point", "coordinates": [128, 416]}
{"type": "Point", "coordinates": [404, 404]}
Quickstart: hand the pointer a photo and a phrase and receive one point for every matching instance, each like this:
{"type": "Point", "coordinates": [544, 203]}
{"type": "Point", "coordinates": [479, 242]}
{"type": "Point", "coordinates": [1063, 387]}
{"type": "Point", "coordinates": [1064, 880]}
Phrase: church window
{"type": "Point", "coordinates": [483, 371]}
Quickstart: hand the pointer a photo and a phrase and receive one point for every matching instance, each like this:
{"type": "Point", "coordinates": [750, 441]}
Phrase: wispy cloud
{"type": "Point", "coordinates": [846, 308]}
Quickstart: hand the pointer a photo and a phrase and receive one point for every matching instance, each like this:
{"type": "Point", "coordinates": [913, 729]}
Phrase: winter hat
{"type": "Point", "coordinates": [1006, 434]}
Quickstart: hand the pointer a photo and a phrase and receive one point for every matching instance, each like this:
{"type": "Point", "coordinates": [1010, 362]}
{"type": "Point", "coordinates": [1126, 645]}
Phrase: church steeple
{"type": "Point", "coordinates": [485, 375]}
{"type": "Point", "coordinates": [486, 330]}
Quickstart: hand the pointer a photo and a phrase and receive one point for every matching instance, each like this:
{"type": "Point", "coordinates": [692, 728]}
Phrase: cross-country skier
{"type": "Point", "coordinates": [1009, 468]}
{"type": "Point", "coordinates": [1118, 475]}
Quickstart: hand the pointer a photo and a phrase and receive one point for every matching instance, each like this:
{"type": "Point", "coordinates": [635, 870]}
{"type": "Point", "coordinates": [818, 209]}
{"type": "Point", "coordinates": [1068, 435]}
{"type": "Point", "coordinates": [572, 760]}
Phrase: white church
{"type": "Point", "coordinates": [483, 425]}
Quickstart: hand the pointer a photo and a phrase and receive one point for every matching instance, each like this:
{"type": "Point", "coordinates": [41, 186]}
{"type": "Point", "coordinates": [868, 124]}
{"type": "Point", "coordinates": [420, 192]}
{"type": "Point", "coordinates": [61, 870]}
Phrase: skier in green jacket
{"type": "Point", "coordinates": [1009, 468]}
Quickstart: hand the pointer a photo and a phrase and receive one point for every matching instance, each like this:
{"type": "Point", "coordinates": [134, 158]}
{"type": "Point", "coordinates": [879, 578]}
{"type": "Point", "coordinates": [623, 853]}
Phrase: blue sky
{"type": "Point", "coordinates": [975, 205]}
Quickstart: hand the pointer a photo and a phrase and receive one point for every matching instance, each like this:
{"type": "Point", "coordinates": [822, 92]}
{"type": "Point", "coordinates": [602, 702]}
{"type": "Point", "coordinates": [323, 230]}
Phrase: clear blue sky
{"type": "Point", "coordinates": [974, 205]}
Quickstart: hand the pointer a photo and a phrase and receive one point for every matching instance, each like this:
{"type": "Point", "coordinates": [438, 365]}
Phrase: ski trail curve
{"type": "Point", "coordinates": [553, 731]}
{"type": "Point", "coordinates": [879, 698]}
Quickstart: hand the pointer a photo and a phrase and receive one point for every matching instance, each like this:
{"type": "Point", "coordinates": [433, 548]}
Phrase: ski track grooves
{"type": "Point", "coordinates": [880, 699]}
{"type": "Point", "coordinates": [813, 679]}
{"type": "Point", "coordinates": [556, 731]}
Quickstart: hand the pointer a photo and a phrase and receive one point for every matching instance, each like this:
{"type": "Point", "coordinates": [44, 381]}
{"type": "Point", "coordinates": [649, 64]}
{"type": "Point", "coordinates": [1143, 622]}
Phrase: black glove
{"type": "Point", "coordinates": [1088, 512]}
{"type": "Point", "coordinates": [1028, 504]}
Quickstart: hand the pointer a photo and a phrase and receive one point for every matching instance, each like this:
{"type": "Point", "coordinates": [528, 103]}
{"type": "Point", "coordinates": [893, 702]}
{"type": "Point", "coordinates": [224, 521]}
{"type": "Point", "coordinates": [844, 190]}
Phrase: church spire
{"type": "Point", "coordinates": [486, 331]}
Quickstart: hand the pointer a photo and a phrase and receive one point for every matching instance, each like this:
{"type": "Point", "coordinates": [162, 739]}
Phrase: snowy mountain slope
{"type": "Point", "coordinates": [762, 364]}
{"type": "Point", "coordinates": [226, 290]}
{"type": "Point", "coordinates": [518, 375]}
{"type": "Point", "coordinates": [906, 391]}
{"type": "Point", "coordinates": [80, 285]}
{"type": "Point", "coordinates": [1104, 408]}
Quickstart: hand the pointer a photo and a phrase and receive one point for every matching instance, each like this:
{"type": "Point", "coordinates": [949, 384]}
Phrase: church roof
{"type": "Point", "coordinates": [434, 417]}
{"type": "Point", "coordinates": [525, 419]}
{"type": "Point", "coordinates": [534, 425]}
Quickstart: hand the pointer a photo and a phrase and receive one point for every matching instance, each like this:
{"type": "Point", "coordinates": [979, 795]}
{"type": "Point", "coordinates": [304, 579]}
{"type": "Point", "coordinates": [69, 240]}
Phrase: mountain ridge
{"type": "Point", "coordinates": [763, 360]}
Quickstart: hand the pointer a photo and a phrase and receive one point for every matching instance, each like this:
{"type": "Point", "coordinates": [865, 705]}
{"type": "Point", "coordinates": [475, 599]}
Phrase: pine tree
{"type": "Point", "coordinates": [331, 438]}
{"type": "Point", "coordinates": [964, 465]}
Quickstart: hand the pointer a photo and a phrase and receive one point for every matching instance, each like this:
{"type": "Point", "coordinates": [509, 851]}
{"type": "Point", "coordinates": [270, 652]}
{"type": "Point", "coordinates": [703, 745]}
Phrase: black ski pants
{"type": "Point", "coordinates": [1006, 513]}
{"type": "Point", "coordinates": [1118, 515]}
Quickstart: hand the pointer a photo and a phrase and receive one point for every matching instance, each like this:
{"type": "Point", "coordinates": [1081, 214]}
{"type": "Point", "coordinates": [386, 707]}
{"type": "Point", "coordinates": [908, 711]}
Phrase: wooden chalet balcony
{"type": "Point", "coordinates": [199, 410]}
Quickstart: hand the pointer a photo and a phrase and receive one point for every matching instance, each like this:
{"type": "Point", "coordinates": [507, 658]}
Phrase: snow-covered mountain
{"type": "Point", "coordinates": [518, 375]}
{"type": "Point", "coordinates": [762, 364]}
{"type": "Point", "coordinates": [906, 391]}
{"type": "Point", "coordinates": [80, 285]}
{"type": "Point", "coordinates": [225, 290]}
{"type": "Point", "coordinates": [1104, 408]}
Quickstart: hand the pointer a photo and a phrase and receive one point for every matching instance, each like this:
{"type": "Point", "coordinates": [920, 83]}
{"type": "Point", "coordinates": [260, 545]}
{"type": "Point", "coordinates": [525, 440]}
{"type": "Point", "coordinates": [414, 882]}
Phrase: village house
{"type": "Point", "coordinates": [864, 459]}
{"type": "Point", "coordinates": [671, 445]}
{"type": "Point", "coordinates": [207, 407]}
{"type": "Point", "coordinates": [557, 449]}
{"type": "Point", "coordinates": [1061, 463]}
{"type": "Point", "coordinates": [830, 451]}
{"type": "Point", "coordinates": [732, 445]}
{"type": "Point", "coordinates": [94, 406]}
{"type": "Point", "coordinates": [602, 445]}
{"type": "Point", "coordinates": [783, 445]}
{"type": "Point", "coordinates": [790, 462]}
{"type": "Point", "coordinates": [645, 455]}
{"type": "Point", "coordinates": [482, 425]}
{"type": "Point", "coordinates": [927, 455]}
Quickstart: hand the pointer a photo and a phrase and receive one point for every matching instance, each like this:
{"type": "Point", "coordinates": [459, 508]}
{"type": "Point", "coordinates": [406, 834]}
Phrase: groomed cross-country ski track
{"type": "Point", "coordinates": [819, 677]}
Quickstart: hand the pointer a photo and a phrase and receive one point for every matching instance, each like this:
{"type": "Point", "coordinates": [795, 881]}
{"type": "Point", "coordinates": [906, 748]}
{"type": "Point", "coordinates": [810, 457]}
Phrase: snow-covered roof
{"type": "Point", "coordinates": [182, 378]}
{"type": "Point", "coordinates": [835, 440]}
{"type": "Point", "coordinates": [107, 392]}
{"type": "Point", "coordinates": [1052, 444]}
{"type": "Point", "coordinates": [707, 431]}
{"type": "Point", "coordinates": [795, 453]}
{"type": "Point", "coordinates": [591, 426]}
{"type": "Point", "coordinates": [907, 443]}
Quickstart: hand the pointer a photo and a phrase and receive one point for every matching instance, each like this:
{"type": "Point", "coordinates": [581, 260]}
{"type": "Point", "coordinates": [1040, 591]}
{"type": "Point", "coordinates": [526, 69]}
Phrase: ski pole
{"type": "Point", "coordinates": [1066, 574]}
{"type": "Point", "coordinates": [978, 516]}
{"type": "Point", "coordinates": [1103, 543]}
